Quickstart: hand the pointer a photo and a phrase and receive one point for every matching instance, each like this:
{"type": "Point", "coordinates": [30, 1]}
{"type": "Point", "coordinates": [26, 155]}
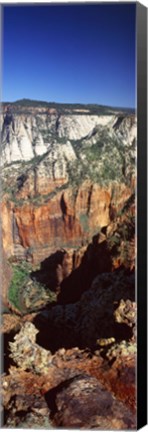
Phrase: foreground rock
{"type": "Point", "coordinates": [26, 353]}
{"type": "Point", "coordinates": [71, 388]}
{"type": "Point", "coordinates": [78, 401]}
{"type": "Point", "coordinates": [23, 403]}
{"type": "Point", "coordinates": [83, 403]}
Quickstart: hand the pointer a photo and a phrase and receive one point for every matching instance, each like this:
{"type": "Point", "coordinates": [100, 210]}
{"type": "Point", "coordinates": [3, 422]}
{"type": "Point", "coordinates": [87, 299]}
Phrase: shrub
{"type": "Point", "coordinates": [25, 293]}
{"type": "Point", "coordinates": [19, 279]}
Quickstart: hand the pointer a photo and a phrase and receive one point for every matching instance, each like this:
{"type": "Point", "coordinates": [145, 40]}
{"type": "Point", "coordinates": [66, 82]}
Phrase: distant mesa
{"type": "Point", "coordinates": [77, 107]}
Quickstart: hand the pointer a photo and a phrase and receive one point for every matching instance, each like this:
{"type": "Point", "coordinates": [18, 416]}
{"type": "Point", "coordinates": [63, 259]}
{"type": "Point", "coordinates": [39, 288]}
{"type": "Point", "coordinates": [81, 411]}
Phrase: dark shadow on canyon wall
{"type": "Point", "coordinates": [96, 260]}
{"type": "Point", "coordinates": [68, 330]}
{"type": "Point", "coordinates": [47, 275]}
{"type": "Point", "coordinates": [61, 327]}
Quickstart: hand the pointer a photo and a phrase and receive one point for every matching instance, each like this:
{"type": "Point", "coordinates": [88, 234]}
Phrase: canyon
{"type": "Point", "coordinates": [68, 265]}
{"type": "Point", "coordinates": [63, 178]}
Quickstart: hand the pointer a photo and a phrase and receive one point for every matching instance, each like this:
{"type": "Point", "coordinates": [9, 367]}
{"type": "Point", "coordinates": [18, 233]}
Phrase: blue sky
{"type": "Point", "coordinates": [70, 53]}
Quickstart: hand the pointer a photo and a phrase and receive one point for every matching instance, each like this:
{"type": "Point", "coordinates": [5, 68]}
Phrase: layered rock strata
{"type": "Point", "coordinates": [63, 178]}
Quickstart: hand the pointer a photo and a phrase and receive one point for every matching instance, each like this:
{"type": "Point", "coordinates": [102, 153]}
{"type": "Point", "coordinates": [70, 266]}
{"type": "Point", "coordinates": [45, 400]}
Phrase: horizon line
{"type": "Point", "coordinates": [69, 103]}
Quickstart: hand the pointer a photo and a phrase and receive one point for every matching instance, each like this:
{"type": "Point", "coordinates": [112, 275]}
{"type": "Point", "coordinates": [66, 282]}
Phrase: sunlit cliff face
{"type": "Point", "coordinates": [65, 176]}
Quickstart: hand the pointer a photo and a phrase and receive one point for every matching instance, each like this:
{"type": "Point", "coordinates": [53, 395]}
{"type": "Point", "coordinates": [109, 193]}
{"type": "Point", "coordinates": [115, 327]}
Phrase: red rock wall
{"type": "Point", "coordinates": [66, 220]}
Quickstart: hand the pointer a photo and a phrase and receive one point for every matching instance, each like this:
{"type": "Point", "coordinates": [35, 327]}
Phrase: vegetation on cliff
{"type": "Point", "coordinates": [26, 294]}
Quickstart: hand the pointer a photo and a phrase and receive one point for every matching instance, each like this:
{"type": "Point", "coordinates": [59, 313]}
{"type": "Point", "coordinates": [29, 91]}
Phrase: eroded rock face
{"type": "Point", "coordinates": [65, 220]}
{"type": "Point", "coordinates": [64, 177]}
{"type": "Point", "coordinates": [39, 230]}
{"type": "Point", "coordinates": [29, 135]}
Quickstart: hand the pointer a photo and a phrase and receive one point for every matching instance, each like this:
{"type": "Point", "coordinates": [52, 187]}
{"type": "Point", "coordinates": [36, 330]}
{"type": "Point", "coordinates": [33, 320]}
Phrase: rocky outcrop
{"type": "Point", "coordinates": [97, 315]}
{"type": "Point", "coordinates": [77, 401]}
{"type": "Point", "coordinates": [37, 359]}
{"type": "Point", "coordinates": [24, 406]}
{"type": "Point", "coordinates": [71, 388]}
{"type": "Point", "coordinates": [30, 135]}
{"type": "Point", "coordinates": [84, 403]}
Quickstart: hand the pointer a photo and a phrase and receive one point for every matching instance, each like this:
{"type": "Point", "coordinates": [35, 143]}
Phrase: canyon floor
{"type": "Point", "coordinates": [68, 266]}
